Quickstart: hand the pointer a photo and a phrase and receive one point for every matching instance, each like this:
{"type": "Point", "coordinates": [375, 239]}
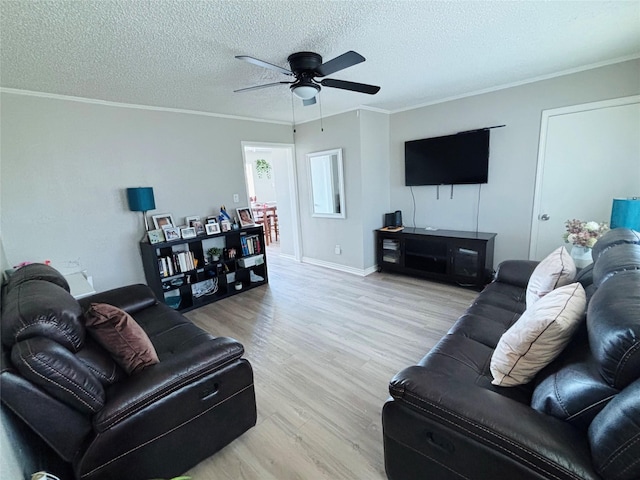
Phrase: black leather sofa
{"type": "Point", "coordinates": [578, 419]}
{"type": "Point", "coordinates": [156, 423]}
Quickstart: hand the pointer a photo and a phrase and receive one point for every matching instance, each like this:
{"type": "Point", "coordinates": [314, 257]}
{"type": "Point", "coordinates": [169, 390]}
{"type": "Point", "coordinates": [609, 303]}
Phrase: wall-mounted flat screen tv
{"type": "Point", "coordinates": [450, 160]}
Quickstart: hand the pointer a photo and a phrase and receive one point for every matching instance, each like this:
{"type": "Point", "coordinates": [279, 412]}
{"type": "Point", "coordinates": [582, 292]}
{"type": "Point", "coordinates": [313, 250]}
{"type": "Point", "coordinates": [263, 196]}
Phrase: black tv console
{"type": "Point", "coordinates": [465, 258]}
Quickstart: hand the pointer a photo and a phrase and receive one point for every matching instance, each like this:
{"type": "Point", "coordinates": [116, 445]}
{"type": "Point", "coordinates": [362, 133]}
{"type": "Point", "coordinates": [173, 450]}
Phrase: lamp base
{"type": "Point", "coordinates": [146, 221]}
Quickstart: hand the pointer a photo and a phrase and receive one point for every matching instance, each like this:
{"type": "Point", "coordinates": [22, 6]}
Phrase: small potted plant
{"type": "Point", "coordinates": [214, 253]}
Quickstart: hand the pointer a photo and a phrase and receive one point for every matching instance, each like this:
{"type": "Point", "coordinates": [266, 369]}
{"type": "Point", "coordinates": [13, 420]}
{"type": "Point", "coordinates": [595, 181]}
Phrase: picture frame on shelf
{"type": "Point", "coordinates": [189, 220]}
{"type": "Point", "coordinates": [245, 217]}
{"type": "Point", "coordinates": [171, 233]}
{"type": "Point", "coordinates": [225, 225]}
{"type": "Point", "coordinates": [212, 228]}
{"type": "Point", "coordinates": [212, 219]}
{"type": "Point", "coordinates": [156, 236]}
{"type": "Point", "coordinates": [188, 232]}
{"type": "Point", "coordinates": [163, 220]}
{"type": "Point", "coordinates": [197, 224]}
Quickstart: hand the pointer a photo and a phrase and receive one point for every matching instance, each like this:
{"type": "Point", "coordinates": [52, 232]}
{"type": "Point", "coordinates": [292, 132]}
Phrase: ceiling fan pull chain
{"type": "Point", "coordinates": [320, 105]}
{"type": "Point", "coordinates": [293, 114]}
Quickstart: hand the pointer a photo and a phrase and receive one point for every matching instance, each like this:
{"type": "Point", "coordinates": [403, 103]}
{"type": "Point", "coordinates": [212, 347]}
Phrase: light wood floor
{"type": "Point", "coordinates": [323, 345]}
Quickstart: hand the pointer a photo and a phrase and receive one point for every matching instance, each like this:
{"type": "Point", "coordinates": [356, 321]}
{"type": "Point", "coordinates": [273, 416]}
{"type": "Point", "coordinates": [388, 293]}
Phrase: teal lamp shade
{"type": "Point", "coordinates": [625, 213]}
{"type": "Point", "coordinates": [141, 200]}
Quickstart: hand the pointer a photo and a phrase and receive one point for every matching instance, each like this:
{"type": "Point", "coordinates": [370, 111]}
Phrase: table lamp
{"type": "Point", "coordinates": [141, 200]}
{"type": "Point", "coordinates": [626, 213]}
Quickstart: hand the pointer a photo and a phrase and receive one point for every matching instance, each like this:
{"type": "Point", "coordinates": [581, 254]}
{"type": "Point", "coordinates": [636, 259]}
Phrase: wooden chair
{"type": "Point", "coordinates": [261, 218]}
{"type": "Point", "coordinates": [271, 214]}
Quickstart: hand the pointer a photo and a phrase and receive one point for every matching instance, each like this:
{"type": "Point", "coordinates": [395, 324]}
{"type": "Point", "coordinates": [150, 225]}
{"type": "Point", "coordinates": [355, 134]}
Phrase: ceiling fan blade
{"type": "Point", "coordinates": [262, 63]}
{"type": "Point", "coordinates": [345, 60]}
{"type": "Point", "coordinates": [310, 101]}
{"type": "Point", "coordinates": [258, 87]}
{"type": "Point", "coordinates": [356, 87]}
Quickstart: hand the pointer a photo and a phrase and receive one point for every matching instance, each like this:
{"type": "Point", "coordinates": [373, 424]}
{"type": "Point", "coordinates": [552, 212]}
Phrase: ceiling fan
{"type": "Point", "coordinates": [305, 67]}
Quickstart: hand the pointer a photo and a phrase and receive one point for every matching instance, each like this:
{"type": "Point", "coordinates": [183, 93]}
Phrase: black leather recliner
{"type": "Point", "coordinates": [156, 423]}
{"type": "Point", "coordinates": [578, 419]}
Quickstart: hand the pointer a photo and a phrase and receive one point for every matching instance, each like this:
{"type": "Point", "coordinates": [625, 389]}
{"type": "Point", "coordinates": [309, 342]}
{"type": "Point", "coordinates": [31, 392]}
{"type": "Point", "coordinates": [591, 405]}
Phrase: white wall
{"type": "Point", "coordinates": [321, 235]}
{"type": "Point", "coordinates": [374, 138]}
{"type": "Point", "coordinates": [507, 200]}
{"type": "Point", "coordinates": [285, 186]}
{"type": "Point", "coordinates": [364, 137]}
{"type": "Point", "coordinates": [66, 166]}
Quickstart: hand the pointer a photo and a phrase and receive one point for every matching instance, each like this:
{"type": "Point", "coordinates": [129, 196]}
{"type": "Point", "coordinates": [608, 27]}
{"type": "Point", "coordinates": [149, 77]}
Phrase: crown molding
{"type": "Point", "coordinates": [521, 82]}
{"type": "Point", "coordinates": [341, 112]}
{"type": "Point", "coordinates": [55, 96]}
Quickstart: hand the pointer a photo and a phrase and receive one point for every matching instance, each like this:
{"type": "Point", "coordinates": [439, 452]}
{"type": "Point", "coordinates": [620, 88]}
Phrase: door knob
{"type": "Point", "coordinates": [544, 217]}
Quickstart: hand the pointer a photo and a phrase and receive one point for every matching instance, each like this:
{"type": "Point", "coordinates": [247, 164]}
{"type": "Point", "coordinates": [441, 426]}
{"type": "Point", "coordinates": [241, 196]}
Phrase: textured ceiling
{"type": "Point", "coordinates": [180, 54]}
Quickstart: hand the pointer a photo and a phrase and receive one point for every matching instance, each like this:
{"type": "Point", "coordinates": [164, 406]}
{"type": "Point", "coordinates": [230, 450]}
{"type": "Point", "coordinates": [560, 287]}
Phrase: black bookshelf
{"type": "Point", "coordinates": [181, 274]}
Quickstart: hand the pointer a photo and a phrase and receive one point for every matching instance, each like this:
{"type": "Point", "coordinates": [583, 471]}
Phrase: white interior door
{"type": "Point", "coordinates": [588, 155]}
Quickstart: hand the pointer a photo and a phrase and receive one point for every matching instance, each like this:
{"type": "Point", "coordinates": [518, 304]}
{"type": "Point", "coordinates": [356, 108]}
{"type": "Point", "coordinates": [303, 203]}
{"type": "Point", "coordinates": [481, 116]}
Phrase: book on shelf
{"type": "Point", "coordinates": [244, 245]}
{"type": "Point", "coordinates": [251, 245]}
{"type": "Point", "coordinates": [391, 229]}
{"type": "Point", "coordinates": [177, 263]}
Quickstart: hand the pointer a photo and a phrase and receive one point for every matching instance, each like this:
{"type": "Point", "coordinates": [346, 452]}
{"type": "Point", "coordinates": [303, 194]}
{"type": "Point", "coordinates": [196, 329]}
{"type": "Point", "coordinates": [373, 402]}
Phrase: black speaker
{"type": "Point", "coordinates": [393, 219]}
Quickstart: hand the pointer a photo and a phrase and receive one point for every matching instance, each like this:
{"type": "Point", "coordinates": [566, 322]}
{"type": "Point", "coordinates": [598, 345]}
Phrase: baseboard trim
{"type": "Point", "coordinates": [342, 268]}
{"type": "Point", "coordinates": [370, 270]}
{"type": "Point", "coordinates": [288, 256]}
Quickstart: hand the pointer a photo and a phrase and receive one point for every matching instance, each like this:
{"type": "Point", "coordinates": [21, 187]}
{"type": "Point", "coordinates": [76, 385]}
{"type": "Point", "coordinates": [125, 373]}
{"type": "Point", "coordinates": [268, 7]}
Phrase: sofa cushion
{"type": "Point", "coordinates": [615, 259]}
{"type": "Point", "coordinates": [515, 272]}
{"type": "Point", "coordinates": [41, 308]}
{"type": "Point", "coordinates": [170, 332]}
{"type": "Point", "coordinates": [119, 334]}
{"type": "Point", "coordinates": [100, 362]}
{"type": "Point", "coordinates": [556, 270]}
{"type": "Point", "coordinates": [503, 297]}
{"type": "Point", "coordinates": [538, 336]}
{"type": "Point", "coordinates": [571, 387]}
{"type": "Point", "coordinates": [614, 436]}
{"type": "Point", "coordinates": [130, 298]}
{"type": "Point", "coordinates": [37, 271]}
{"type": "Point", "coordinates": [617, 236]}
{"type": "Point", "coordinates": [613, 320]}
{"type": "Point", "coordinates": [51, 366]}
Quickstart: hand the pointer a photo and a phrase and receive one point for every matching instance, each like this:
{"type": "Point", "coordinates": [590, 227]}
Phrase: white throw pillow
{"type": "Point", "coordinates": [538, 336]}
{"type": "Point", "coordinates": [556, 270]}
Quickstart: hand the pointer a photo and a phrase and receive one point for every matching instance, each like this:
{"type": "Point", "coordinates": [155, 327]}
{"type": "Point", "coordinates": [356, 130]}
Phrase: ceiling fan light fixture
{"type": "Point", "coordinates": [306, 91]}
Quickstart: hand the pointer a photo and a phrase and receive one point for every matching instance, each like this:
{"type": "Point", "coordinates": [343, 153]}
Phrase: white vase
{"type": "Point", "coordinates": [581, 256]}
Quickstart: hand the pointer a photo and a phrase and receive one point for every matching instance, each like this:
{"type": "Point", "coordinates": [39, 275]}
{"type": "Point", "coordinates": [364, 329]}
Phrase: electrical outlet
{"type": "Point", "coordinates": [338, 250]}
{"type": "Point", "coordinates": [236, 198]}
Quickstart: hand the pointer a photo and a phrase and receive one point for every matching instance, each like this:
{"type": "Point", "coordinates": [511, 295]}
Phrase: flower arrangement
{"type": "Point", "coordinates": [584, 234]}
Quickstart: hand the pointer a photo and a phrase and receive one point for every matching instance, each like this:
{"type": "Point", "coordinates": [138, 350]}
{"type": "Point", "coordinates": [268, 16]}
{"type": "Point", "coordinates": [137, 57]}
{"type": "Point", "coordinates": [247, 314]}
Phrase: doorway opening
{"type": "Point", "coordinates": [270, 176]}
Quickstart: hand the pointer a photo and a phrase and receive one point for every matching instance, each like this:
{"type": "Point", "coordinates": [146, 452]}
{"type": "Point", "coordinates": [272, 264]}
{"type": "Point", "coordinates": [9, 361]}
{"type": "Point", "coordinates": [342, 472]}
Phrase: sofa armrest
{"type": "Point", "coordinates": [156, 382]}
{"type": "Point", "coordinates": [130, 298]}
{"type": "Point", "coordinates": [515, 272]}
{"type": "Point", "coordinates": [501, 425]}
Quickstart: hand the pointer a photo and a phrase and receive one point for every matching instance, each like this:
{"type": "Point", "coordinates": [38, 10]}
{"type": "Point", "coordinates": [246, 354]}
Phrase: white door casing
{"type": "Point", "coordinates": [291, 210]}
